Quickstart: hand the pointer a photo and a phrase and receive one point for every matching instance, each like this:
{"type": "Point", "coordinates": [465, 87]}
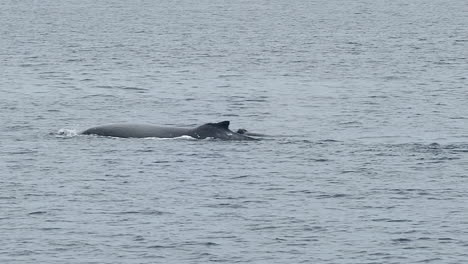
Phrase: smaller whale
{"type": "Point", "coordinates": [209, 130]}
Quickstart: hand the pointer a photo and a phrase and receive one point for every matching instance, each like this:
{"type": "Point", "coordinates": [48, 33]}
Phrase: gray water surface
{"type": "Point", "coordinates": [364, 103]}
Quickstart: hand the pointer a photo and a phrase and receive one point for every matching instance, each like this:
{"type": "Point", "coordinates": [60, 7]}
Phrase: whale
{"type": "Point", "coordinates": [218, 130]}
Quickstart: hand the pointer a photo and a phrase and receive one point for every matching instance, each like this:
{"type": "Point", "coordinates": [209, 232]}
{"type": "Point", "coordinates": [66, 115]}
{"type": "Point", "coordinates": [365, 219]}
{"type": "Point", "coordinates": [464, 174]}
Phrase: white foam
{"type": "Point", "coordinates": [185, 137]}
{"type": "Point", "coordinates": [65, 132]}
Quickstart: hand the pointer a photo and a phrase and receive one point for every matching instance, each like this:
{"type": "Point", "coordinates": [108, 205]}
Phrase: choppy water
{"type": "Point", "coordinates": [365, 103]}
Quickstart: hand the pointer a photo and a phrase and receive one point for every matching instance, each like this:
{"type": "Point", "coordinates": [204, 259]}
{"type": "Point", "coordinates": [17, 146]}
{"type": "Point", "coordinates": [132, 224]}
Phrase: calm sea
{"type": "Point", "coordinates": [364, 103]}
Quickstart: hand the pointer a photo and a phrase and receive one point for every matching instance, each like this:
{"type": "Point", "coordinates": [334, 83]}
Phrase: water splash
{"type": "Point", "coordinates": [66, 133]}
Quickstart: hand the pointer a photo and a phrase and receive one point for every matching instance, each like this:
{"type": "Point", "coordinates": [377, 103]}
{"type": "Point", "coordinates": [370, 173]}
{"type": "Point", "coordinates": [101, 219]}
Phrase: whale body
{"type": "Point", "coordinates": [209, 130]}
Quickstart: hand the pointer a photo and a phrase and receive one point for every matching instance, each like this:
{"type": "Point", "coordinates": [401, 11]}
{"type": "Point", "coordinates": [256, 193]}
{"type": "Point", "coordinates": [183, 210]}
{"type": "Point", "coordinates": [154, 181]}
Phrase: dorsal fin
{"type": "Point", "coordinates": [223, 124]}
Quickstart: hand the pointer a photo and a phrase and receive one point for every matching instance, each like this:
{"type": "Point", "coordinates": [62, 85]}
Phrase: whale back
{"type": "Point", "coordinates": [135, 131]}
{"type": "Point", "coordinates": [217, 130]}
{"type": "Point", "coordinates": [209, 130]}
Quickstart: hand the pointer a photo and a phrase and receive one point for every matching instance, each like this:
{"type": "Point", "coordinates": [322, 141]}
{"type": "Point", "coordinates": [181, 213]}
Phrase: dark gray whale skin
{"type": "Point", "coordinates": [210, 130]}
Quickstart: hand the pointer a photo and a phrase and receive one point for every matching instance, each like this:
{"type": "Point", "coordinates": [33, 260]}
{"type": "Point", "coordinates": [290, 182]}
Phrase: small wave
{"type": "Point", "coordinates": [401, 240]}
{"type": "Point", "coordinates": [98, 95]}
{"type": "Point", "coordinates": [337, 195]}
{"type": "Point", "coordinates": [457, 148]}
{"type": "Point", "coordinates": [133, 88]}
{"type": "Point", "coordinates": [148, 212]}
{"type": "Point", "coordinates": [37, 213]}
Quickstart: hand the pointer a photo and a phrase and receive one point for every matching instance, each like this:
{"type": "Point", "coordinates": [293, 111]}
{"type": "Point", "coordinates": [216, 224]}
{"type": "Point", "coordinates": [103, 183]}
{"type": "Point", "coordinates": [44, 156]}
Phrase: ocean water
{"type": "Point", "coordinates": [364, 104]}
